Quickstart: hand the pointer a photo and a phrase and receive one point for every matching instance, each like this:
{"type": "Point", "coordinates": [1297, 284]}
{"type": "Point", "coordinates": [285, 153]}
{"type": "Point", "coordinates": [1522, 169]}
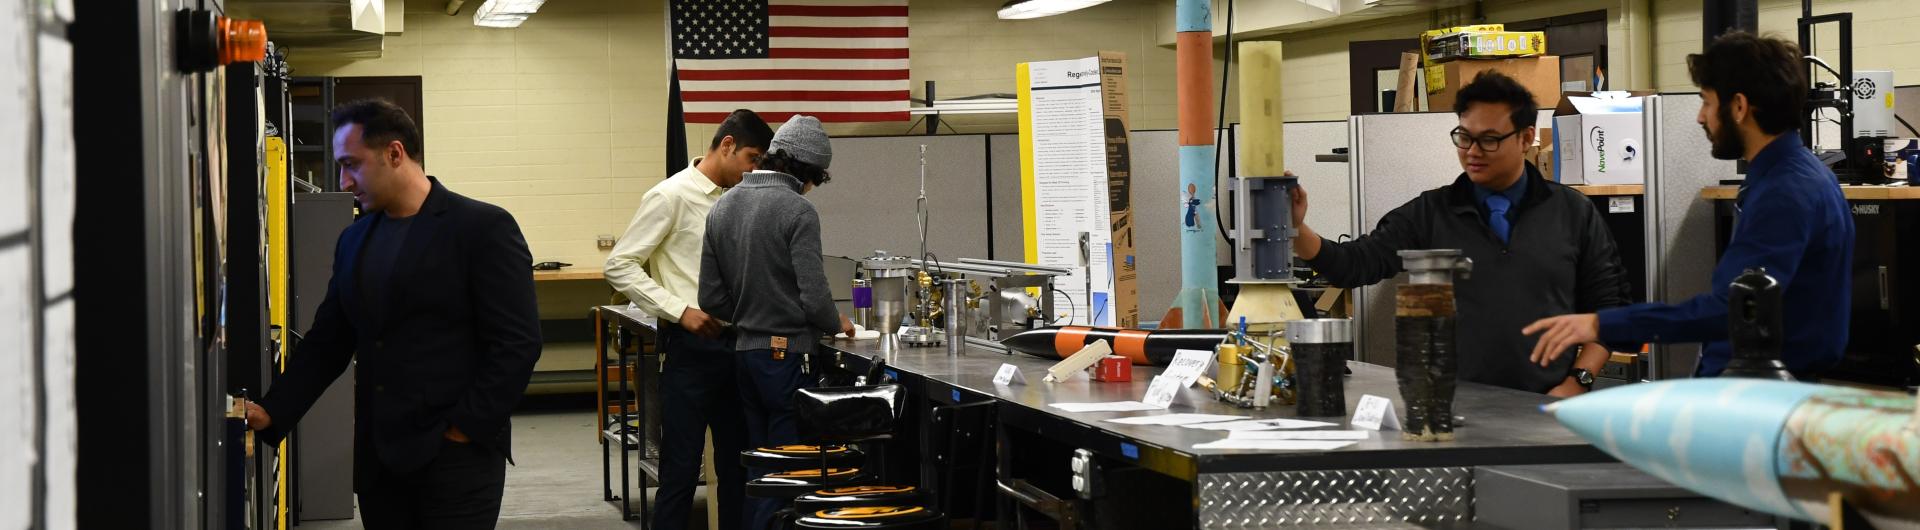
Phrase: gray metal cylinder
{"type": "Point", "coordinates": [955, 302]}
{"type": "Point", "coordinates": [1320, 331]}
{"type": "Point", "coordinates": [1435, 266]}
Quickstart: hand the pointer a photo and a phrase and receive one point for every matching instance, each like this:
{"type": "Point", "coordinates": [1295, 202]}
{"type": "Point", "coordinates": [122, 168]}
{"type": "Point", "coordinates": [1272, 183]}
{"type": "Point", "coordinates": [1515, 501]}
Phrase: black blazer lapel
{"type": "Point", "coordinates": [406, 265]}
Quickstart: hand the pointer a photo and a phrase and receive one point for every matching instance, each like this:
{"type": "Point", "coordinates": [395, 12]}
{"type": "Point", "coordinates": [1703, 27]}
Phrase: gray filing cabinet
{"type": "Point", "coordinates": [323, 443]}
{"type": "Point", "coordinates": [1568, 496]}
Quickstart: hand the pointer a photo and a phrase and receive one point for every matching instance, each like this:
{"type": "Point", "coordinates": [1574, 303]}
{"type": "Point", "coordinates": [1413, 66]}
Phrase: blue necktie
{"type": "Point", "coordinates": [1497, 206]}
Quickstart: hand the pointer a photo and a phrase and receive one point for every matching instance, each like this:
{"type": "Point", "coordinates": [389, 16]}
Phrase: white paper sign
{"type": "Point", "coordinates": [1620, 205]}
{"type": "Point", "coordinates": [1260, 425]}
{"type": "Point", "coordinates": [1375, 413]}
{"type": "Point", "coordinates": [1161, 392]}
{"type": "Point", "coordinates": [1173, 419]}
{"type": "Point", "coordinates": [1275, 445]}
{"type": "Point", "coordinates": [1009, 375]}
{"type": "Point", "coordinates": [1188, 365]}
{"type": "Point", "coordinates": [1299, 435]}
{"type": "Point", "coordinates": [1114, 406]}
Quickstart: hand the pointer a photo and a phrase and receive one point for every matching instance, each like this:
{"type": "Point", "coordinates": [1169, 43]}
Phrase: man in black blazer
{"type": "Point", "coordinates": [433, 293]}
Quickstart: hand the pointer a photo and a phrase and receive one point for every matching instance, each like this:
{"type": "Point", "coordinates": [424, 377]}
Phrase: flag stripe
{"type": "Point", "coordinates": [836, 11]}
{"type": "Point", "coordinates": [798, 95]}
{"type": "Point", "coordinates": [840, 22]}
{"type": "Point", "coordinates": [783, 116]}
{"type": "Point", "coordinates": [837, 53]}
{"type": "Point", "coordinates": [807, 107]}
{"type": "Point", "coordinates": [716, 65]}
{"type": "Point", "coordinates": [836, 33]}
{"type": "Point", "coordinates": [792, 84]}
{"type": "Point", "coordinates": [790, 73]}
{"type": "Point", "coordinates": [814, 42]}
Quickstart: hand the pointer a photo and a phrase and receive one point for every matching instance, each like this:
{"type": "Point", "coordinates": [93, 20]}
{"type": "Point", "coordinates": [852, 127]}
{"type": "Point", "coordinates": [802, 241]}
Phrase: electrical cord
{"type": "Point", "coordinates": [1219, 128]}
{"type": "Point", "coordinates": [1909, 126]}
{"type": "Point", "coordinates": [1072, 308]}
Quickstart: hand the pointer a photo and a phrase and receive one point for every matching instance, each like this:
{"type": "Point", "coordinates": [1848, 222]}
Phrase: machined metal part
{"type": "Point", "coordinates": [1344, 498]}
{"type": "Point", "coordinates": [1004, 307]}
{"type": "Point", "coordinates": [1435, 266]}
{"type": "Point", "coordinates": [1263, 229]}
{"type": "Point", "coordinates": [1320, 331]}
{"type": "Point", "coordinates": [955, 314]}
{"type": "Point", "coordinates": [889, 277]}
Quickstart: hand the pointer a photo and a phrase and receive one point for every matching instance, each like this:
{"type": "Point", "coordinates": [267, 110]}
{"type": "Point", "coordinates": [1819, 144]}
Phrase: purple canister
{"type": "Point", "coordinates": [863, 302]}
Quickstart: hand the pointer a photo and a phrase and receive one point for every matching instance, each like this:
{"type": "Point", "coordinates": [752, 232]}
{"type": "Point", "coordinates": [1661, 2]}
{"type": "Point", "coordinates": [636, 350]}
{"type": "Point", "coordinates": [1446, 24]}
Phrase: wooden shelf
{"type": "Point", "coordinates": [1852, 193]}
{"type": "Point", "coordinates": [568, 275]}
{"type": "Point", "coordinates": [1611, 190]}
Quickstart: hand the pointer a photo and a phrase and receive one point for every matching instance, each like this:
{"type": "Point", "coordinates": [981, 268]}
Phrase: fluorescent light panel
{"type": "Point", "coordinates": [505, 13]}
{"type": "Point", "coordinates": [1025, 9]}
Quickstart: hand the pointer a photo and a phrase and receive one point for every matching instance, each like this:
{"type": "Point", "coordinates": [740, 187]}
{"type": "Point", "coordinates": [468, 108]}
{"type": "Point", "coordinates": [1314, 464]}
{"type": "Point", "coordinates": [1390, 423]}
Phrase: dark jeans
{"type": "Point", "coordinates": [698, 391]}
{"type": "Point", "coordinates": [766, 390]}
{"type": "Point", "coordinates": [459, 489]}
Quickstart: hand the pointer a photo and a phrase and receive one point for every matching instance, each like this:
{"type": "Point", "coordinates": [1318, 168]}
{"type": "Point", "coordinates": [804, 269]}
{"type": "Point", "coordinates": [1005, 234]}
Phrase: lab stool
{"type": "Point", "coordinates": [836, 493]}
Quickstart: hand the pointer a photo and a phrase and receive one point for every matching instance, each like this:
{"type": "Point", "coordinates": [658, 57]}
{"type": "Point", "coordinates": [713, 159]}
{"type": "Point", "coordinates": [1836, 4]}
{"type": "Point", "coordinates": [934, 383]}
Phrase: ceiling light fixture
{"type": "Point", "coordinates": [505, 13]}
{"type": "Point", "coordinates": [1025, 9]}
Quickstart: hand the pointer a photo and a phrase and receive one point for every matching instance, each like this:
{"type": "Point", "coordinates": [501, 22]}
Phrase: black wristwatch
{"type": "Point", "coordinates": [1582, 376]}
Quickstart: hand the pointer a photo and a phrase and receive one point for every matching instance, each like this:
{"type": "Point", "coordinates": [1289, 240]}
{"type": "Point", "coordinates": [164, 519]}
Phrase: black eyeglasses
{"type": "Point", "coordinates": [1464, 140]}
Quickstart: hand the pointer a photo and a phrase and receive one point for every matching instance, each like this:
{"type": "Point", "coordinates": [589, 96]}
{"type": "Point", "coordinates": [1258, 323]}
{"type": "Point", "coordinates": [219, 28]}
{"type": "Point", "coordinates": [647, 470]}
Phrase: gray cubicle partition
{"type": "Point", "coordinates": [1395, 157]}
{"type": "Point", "coordinates": [1329, 211]}
{"type": "Point", "coordinates": [1680, 240]}
{"type": "Point", "coordinates": [869, 204]}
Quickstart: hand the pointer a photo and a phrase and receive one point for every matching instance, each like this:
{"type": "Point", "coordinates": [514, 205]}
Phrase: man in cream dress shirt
{"type": "Point", "coordinates": [656, 264]}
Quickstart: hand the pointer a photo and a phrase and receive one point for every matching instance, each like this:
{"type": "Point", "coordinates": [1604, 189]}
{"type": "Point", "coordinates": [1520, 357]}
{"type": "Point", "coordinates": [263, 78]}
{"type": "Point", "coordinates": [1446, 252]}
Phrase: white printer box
{"type": "Point", "coordinates": [1599, 139]}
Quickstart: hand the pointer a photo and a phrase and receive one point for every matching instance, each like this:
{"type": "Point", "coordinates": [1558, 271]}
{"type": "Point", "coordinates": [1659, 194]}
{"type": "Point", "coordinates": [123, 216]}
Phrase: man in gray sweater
{"type": "Point", "coordinates": [761, 272]}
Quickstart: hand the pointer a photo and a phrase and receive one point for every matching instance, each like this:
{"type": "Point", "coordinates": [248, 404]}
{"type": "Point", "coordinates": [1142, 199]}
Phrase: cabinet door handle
{"type": "Point", "coordinates": [1886, 297]}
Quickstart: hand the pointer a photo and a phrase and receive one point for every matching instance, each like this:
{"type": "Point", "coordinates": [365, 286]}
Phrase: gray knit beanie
{"type": "Point", "coordinates": [805, 140]}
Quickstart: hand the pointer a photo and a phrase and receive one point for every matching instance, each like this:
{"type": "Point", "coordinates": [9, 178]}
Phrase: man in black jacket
{"type": "Point", "coordinates": [1538, 248]}
{"type": "Point", "coordinates": [433, 293]}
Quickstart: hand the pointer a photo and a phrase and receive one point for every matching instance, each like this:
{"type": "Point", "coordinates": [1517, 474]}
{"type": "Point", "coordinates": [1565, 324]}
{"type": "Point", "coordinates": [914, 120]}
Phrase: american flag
{"type": "Point", "coordinates": [837, 60]}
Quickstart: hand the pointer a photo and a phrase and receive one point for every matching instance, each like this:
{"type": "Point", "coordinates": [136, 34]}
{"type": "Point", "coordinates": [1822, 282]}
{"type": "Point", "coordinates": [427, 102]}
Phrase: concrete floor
{"type": "Point", "coordinates": [557, 482]}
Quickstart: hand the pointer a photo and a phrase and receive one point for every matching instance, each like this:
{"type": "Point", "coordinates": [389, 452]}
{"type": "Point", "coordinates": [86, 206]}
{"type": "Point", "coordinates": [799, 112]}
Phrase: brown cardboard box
{"type": "Point", "coordinates": [1541, 75]}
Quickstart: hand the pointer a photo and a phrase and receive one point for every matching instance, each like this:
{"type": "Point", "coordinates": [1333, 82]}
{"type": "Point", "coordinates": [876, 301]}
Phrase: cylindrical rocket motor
{"type": "Point", "coordinates": [1138, 345]}
{"type": "Point", "coordinates": [1427, 367]}
{"type": "Point", "coordinates": [1321, 348]}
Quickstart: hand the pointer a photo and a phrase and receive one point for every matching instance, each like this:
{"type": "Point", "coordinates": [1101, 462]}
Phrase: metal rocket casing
{"type": "Point", "coordinates": [1774, 446]}
{"type": "Point", "coordinates": [1156, 347]}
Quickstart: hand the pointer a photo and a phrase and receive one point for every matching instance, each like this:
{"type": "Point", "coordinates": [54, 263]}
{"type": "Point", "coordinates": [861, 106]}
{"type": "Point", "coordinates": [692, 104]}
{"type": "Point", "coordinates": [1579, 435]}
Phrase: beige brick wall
{"type": "Point", "coordinates": [558, 121]}
{"type": "Point", "coordinates": [1884, 36]}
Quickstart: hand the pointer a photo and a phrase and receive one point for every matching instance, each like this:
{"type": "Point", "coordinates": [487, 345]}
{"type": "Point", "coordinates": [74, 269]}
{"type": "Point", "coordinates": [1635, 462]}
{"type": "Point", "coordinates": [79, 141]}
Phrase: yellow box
{"type": "Point", "coordinates": [1429, 35]}
{"type": "Point", "coordinates": [1486, 45]}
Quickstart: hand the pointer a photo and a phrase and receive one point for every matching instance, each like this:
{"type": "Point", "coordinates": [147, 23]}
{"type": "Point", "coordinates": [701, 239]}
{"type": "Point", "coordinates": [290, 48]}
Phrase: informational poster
{"type": "Point", "coordinates": [1063, 166]}
{"type": "Point", "coordinates": [1113, 93]}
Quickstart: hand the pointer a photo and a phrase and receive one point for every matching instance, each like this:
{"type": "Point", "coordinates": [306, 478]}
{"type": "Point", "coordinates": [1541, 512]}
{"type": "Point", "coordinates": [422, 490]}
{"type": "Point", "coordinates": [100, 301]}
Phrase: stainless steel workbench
{"type": "Point", "coordinates": [1383, 481]}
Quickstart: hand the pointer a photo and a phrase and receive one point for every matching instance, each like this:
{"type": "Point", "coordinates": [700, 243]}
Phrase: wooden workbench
{"type": "Point", "coordinates": [1852, 193]}
{"type": "Point", "coordinates": [1610, 190]}
{"type": "Point", "coordinates": [568, 274]}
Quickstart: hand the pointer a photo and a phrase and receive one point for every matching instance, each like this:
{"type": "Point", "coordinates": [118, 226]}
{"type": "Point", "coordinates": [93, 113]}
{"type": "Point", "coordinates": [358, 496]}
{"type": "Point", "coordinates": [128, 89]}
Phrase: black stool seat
{"type": "Point", "coordinates": [857, 496]}
{"type": "Point", "coordinates": [872, 517]}
{"type": "Point", "coordinates": [791, 457]}
{"type": "Point", "coordinates": [790, 484]}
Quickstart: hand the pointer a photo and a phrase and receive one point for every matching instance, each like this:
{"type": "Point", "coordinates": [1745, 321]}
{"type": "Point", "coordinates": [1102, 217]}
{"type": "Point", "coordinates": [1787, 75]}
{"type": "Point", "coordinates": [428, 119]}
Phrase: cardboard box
{"type": "Point", "coordinates": [1599, 138]}
{"type": "Point", "coordinates": [1541, 75]}
{"type": "Point", "coordinates": [1486, 45]}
